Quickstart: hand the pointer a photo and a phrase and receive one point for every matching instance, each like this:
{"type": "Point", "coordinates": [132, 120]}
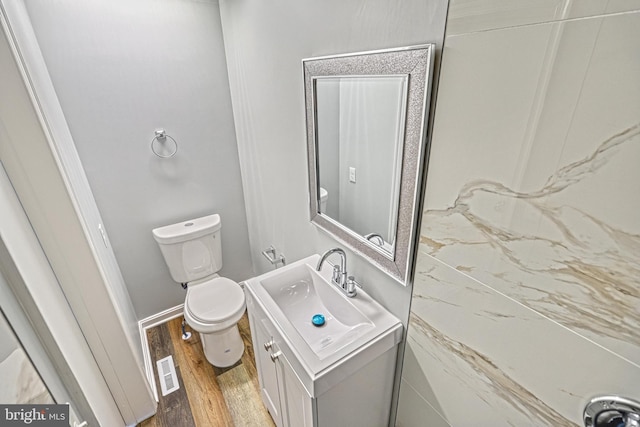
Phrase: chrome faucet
{"type": "Point", "coordinates": [375, 238]}
{"type": "Point", "coordinates": [339, 276]}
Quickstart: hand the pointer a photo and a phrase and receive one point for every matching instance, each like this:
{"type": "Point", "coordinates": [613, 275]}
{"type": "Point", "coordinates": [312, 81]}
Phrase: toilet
{"type": "Point", "coordinates": [213, 305]}
{"type": "Point", "coordinates": [324, 195]}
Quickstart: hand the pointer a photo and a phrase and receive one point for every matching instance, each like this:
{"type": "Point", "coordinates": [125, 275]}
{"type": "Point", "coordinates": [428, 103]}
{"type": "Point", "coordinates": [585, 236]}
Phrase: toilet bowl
{"type": "Point", "coordinates": [213, 308]}
{"type": "Point", "coordinates": [213, 304]}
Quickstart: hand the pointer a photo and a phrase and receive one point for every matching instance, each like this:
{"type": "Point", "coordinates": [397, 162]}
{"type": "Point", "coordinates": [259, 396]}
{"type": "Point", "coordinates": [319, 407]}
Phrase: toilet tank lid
{"type": "Point", "coordinates": [187, 230]}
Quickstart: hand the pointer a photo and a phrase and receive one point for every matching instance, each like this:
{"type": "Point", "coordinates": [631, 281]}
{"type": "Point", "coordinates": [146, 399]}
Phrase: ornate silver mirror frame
{"type": "Point", "coordinates": [416, 63]}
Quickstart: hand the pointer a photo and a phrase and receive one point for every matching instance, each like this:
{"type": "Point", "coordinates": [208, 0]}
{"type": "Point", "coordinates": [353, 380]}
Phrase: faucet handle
{"type": "Point", "coordinates": [351, 286]}
{"type": "Point", "coordinates": [352, 279]}
{"type": "Point", "coordinates": [336, 273]}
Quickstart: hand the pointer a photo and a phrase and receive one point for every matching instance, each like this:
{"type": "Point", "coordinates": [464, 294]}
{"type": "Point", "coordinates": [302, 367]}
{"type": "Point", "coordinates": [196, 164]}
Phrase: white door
{"type": "Point", "coordinates": [36, 309]}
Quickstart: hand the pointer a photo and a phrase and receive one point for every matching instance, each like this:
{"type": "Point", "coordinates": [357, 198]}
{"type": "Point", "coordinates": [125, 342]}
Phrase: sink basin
{"type": "Point", "coordinates": [291, 295]}
{"type": "Point", "coordinates": [300, 293]}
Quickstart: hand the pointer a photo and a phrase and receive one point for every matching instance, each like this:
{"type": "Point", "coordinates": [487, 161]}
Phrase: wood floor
{"type": "Point", "coordinates": [208, 396]}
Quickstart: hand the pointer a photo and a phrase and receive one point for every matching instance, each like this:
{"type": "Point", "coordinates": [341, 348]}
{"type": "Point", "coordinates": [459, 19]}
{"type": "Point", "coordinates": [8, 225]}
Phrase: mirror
{"type": "Point", "coordinates": [359, 144]}
{"type": "Point", "coordinates": [366, 138]}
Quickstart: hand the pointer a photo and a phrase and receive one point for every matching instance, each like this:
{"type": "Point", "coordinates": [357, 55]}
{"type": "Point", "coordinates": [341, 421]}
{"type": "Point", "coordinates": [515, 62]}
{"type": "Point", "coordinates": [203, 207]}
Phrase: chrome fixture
{"type": "Point", "coordinates": [185, 334]}
{"type": "Point", "coordinates": [160, 145]}
{"type": "Point", "coordinates": [339, 277]}
{"type": "Point", "coordinates": [274, 356]}
{"type": "Point", "coordinates": [268, 346]}
{"type": "Point", "coordinates": [375, 238]}
{"type": "Point", "coordinates": [612, 411]}
{"type": "Point", "coordinates": [270, 255]}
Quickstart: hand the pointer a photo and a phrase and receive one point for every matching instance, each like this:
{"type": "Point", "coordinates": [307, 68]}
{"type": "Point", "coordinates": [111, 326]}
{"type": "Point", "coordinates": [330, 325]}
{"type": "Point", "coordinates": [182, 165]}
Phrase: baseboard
{"type": "Point", "coordinates": [150, 322]}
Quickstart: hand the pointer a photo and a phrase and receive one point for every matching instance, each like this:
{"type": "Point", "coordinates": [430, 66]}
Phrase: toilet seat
{"type": "Point", "coordinates": [214, 304]}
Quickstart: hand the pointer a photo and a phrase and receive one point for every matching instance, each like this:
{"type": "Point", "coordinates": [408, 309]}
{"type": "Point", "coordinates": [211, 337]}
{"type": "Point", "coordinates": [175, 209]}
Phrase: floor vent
{"type": "Point", "coordinates": [167, 375]}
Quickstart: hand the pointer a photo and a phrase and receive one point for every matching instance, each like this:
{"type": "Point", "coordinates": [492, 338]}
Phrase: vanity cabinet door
{"type": "Point", "coordinates": [267, 374]}
{"type": "Point", "coordinates": [296, 403]}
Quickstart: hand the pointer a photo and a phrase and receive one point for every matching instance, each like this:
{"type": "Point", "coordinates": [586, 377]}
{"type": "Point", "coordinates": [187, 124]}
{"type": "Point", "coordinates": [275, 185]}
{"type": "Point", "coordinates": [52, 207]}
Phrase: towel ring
{"type": "Point", "coordinates": [162, 139]}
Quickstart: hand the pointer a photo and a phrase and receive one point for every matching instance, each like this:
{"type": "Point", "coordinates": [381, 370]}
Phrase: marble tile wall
{"type": "Point", "coordinates": [19, 381]}
{"type": "Point", "coordinates": [526, 301]}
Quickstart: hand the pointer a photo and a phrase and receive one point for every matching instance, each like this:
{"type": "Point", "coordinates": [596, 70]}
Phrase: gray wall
{"type": "Point", "coordinates": [265, 43]}
{"type": "Point", "coordinates": [121, 70]}
{"type": "Point", "coordinates": [526, 297]}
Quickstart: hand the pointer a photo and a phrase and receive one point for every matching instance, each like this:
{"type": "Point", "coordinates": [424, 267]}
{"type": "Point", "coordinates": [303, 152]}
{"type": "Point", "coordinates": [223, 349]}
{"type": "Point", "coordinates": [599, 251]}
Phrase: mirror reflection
{"type": "Point", "coordinates": [366, 116]}
{"type": "Point", "coordinates": [360, 135]}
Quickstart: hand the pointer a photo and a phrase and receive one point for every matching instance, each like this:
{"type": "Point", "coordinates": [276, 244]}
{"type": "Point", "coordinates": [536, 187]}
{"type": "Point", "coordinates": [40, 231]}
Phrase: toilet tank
{"type": "Point", "coordinates": [192, 249]}
{"type": "Point", "coordinates": [324, 196]}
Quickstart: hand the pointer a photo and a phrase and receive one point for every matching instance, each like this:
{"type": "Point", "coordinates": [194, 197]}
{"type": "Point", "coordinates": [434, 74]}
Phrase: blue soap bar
{"type": "Point", "coordinates": [317, 320]}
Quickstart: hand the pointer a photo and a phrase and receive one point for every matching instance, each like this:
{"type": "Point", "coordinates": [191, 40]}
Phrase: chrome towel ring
{"type": "Point", "coordinates": [163, 145]}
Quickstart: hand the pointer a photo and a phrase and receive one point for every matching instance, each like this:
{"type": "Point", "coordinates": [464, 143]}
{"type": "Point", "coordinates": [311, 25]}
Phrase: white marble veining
{"type": "Point", "coordinates": [567, 264]}
{"type": "Point", "coordinates": [526, 300]}
{"type": "Point", "coordinates": [475, 354]}
{"type": "Point", "coordinates": [20, 382]}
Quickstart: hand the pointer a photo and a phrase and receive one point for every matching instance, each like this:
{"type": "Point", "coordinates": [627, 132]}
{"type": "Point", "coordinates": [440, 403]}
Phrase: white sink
{"type": "Point", "coordinates": [300, 293]}
{"type": "Point", "coordinates": [290, 296]}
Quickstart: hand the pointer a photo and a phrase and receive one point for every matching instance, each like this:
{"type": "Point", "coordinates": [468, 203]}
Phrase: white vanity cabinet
{"type": "Point", "coordinates": [284, 395]}
{"type": "Point", "coordinates": [354, 390]}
